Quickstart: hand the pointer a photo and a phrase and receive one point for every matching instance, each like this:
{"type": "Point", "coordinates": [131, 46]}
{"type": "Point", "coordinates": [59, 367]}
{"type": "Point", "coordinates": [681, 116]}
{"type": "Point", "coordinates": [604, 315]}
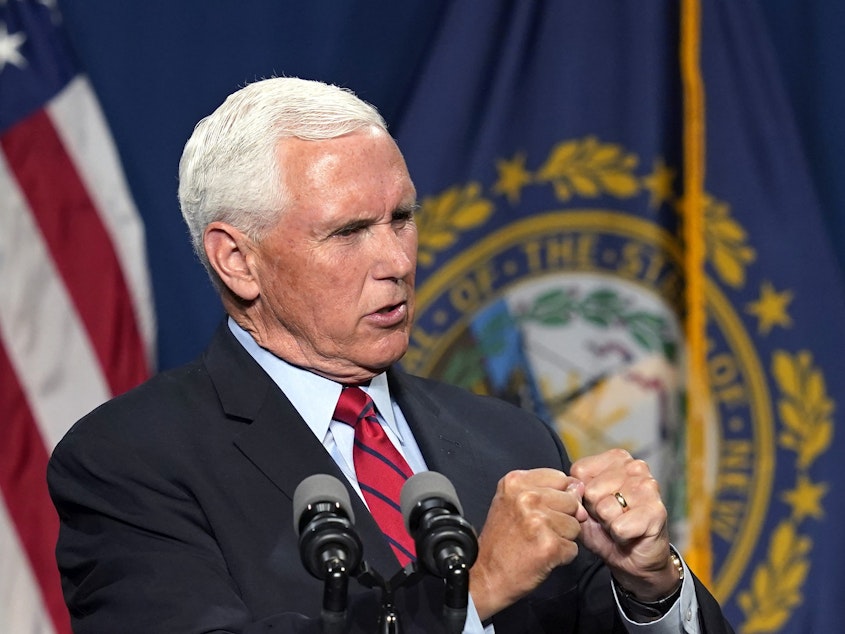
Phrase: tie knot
{"type": "Point", "coordinates": [353, 405]}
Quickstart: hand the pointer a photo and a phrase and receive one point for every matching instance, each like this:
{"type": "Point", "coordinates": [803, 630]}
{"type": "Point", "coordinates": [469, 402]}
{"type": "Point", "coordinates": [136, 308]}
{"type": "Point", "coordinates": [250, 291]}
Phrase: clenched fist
{"type": "Point", "coordinates": [532, 526]}
{"type": "Point", "coordinates": [626, 524]}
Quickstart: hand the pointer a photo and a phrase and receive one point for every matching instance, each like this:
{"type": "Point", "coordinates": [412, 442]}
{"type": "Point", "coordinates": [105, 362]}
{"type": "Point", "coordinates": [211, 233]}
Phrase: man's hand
{"type": "Point", "coordinates": [628, 531]}
{"type": "Point", "coordinates": [531, 528]}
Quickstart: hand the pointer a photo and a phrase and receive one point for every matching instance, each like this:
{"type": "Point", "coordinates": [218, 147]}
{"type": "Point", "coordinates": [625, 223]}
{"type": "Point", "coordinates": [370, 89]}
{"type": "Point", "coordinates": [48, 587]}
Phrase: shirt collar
{"type": "Point", "coordinates": [312, 395]}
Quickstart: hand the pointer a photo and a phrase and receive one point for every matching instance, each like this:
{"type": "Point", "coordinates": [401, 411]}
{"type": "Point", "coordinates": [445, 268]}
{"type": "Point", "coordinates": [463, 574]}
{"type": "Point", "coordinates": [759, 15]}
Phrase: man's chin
{"type": "Point", "coordinates": [378, 359]}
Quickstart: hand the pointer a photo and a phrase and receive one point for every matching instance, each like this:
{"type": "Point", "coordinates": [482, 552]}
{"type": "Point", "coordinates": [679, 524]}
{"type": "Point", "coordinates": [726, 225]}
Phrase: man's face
{"type": "Point", "coordinates": [336, 274]}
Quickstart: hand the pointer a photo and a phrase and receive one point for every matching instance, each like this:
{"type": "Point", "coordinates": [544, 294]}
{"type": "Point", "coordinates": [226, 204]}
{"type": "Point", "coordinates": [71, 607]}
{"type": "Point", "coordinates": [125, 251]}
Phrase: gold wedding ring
{"type": "Point", "coordinates": [621, 499]}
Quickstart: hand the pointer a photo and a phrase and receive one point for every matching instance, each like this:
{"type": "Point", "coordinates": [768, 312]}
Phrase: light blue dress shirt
{"type": "Point", "coordinates": [315, 397]}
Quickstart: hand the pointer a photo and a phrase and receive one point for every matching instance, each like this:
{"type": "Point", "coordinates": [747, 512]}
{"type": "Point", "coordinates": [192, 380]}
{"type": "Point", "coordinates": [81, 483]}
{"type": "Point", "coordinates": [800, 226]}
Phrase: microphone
{"type": "Point", "coordinates": [329, 547]}
{"type": "Point", "coordinates": [446, 543]}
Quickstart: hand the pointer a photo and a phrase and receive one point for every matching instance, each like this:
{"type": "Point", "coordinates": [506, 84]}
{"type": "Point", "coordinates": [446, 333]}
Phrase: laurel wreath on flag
{"type": "Point", "coordinates": [807, 429]}
{"type": "Point", "coordinates": [443, 217]}
{"type": "Point", "coordinates": [589, 168]}
{"type": "Point", "coordinates": [725, 242]}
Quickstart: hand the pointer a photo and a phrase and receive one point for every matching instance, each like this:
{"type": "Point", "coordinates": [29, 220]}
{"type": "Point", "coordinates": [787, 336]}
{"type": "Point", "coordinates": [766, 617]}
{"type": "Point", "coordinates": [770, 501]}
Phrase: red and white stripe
{"type": "Point", "coordinates": [76, 324]}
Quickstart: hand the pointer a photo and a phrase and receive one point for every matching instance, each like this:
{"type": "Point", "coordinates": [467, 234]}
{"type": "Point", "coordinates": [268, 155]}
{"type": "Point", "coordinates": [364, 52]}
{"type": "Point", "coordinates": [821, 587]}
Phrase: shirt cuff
{"type": "Point", "coordinates": [682, 617]}
{"type": "Point", "coordinates": [473, 623]}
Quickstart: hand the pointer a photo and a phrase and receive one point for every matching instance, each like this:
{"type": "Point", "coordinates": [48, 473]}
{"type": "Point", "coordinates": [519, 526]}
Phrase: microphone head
{"type": "Point", "coordinates": [320, 488]}
{"type": "Point", "coordinates": [423, 486]}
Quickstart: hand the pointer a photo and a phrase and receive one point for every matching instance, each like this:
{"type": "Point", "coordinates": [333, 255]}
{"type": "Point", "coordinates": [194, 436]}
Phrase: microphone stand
{"type": "Point", "coordinates": [335, 590]}
{"type": "Point", "coordinates": [389, 621]}
{"type": "Point", "coordinates": [456, 599]}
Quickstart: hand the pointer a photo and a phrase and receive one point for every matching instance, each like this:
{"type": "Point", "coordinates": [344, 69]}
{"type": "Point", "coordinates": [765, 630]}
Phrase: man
{"type": "Point", "coordinates": [175, 499]}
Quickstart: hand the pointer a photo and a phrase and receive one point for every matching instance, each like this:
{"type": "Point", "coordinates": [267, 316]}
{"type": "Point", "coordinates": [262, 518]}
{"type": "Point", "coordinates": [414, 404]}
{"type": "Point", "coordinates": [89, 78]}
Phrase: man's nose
{"type": "Point", "coordinates": [395, 253]}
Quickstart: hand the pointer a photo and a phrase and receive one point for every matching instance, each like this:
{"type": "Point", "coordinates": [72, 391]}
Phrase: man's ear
{"type": "Point", "coordinates": [228, 252]}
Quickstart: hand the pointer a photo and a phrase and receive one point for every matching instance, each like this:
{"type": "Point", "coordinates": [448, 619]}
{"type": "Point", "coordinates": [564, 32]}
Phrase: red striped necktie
{"type": "Point", "coordinates": [380, 468]}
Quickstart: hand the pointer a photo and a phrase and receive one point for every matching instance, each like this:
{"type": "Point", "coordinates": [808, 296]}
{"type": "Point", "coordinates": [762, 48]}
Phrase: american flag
{"type": "Point", "coordinates": [76, 318]}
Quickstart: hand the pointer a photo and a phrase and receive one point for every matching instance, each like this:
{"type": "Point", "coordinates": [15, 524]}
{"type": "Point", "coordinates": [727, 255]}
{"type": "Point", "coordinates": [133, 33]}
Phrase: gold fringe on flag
{"type": "Point", "coordinates": [698, 554]}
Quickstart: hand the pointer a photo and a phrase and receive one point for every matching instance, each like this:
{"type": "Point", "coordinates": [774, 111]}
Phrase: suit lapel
{"type": "Point", "coordinates": [271, 426]}
{"type": "Point", "coordinates": [276, 439]}
{"type": "Point", "coordinates": [281, 445]}
{"type": "Point", "coordinates": [445, 443]}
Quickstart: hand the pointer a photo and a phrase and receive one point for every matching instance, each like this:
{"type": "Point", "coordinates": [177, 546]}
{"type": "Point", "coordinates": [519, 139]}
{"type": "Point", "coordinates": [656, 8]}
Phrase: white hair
{"type": "Point", "coordinates": [231, 168]}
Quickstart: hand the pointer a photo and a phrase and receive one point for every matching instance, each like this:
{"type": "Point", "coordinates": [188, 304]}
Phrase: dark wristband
{"type": "Point", "coordinates": [648, 611]}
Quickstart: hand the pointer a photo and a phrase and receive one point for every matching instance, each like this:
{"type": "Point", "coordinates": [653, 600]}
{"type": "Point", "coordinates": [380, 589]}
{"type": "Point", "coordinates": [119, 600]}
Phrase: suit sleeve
{"type": "Point", "coordinates": [577, 597]}
{"type": "Point", "coordinates": [136, 552]}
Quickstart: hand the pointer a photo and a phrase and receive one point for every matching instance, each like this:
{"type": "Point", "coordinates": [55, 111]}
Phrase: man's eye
{"type": "Point", "coordinates": [350, 230]}
{"type": "Point", "coordinates": [402, 216]}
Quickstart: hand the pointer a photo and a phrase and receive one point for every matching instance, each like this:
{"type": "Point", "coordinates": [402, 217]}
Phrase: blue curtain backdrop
{"type": "Point", "coordinates": [483, 94]}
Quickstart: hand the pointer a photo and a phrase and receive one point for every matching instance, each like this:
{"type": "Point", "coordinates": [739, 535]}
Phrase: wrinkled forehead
{"type": "Point", "coordinates": [365, 158]}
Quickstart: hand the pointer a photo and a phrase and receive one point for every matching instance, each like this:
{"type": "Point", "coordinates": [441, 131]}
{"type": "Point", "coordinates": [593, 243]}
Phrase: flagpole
{"type": "Point", "coordinates": [698, 493]}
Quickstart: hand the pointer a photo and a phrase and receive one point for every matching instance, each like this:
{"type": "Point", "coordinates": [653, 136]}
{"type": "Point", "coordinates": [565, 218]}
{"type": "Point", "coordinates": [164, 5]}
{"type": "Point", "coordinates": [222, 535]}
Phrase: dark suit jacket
{"type": "Point", "coordinates": [175, 507]}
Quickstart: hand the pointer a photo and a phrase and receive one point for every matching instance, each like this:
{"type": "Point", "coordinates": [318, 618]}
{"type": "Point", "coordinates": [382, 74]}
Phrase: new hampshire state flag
{"type": "Point", "coordinates": [617, 230]}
